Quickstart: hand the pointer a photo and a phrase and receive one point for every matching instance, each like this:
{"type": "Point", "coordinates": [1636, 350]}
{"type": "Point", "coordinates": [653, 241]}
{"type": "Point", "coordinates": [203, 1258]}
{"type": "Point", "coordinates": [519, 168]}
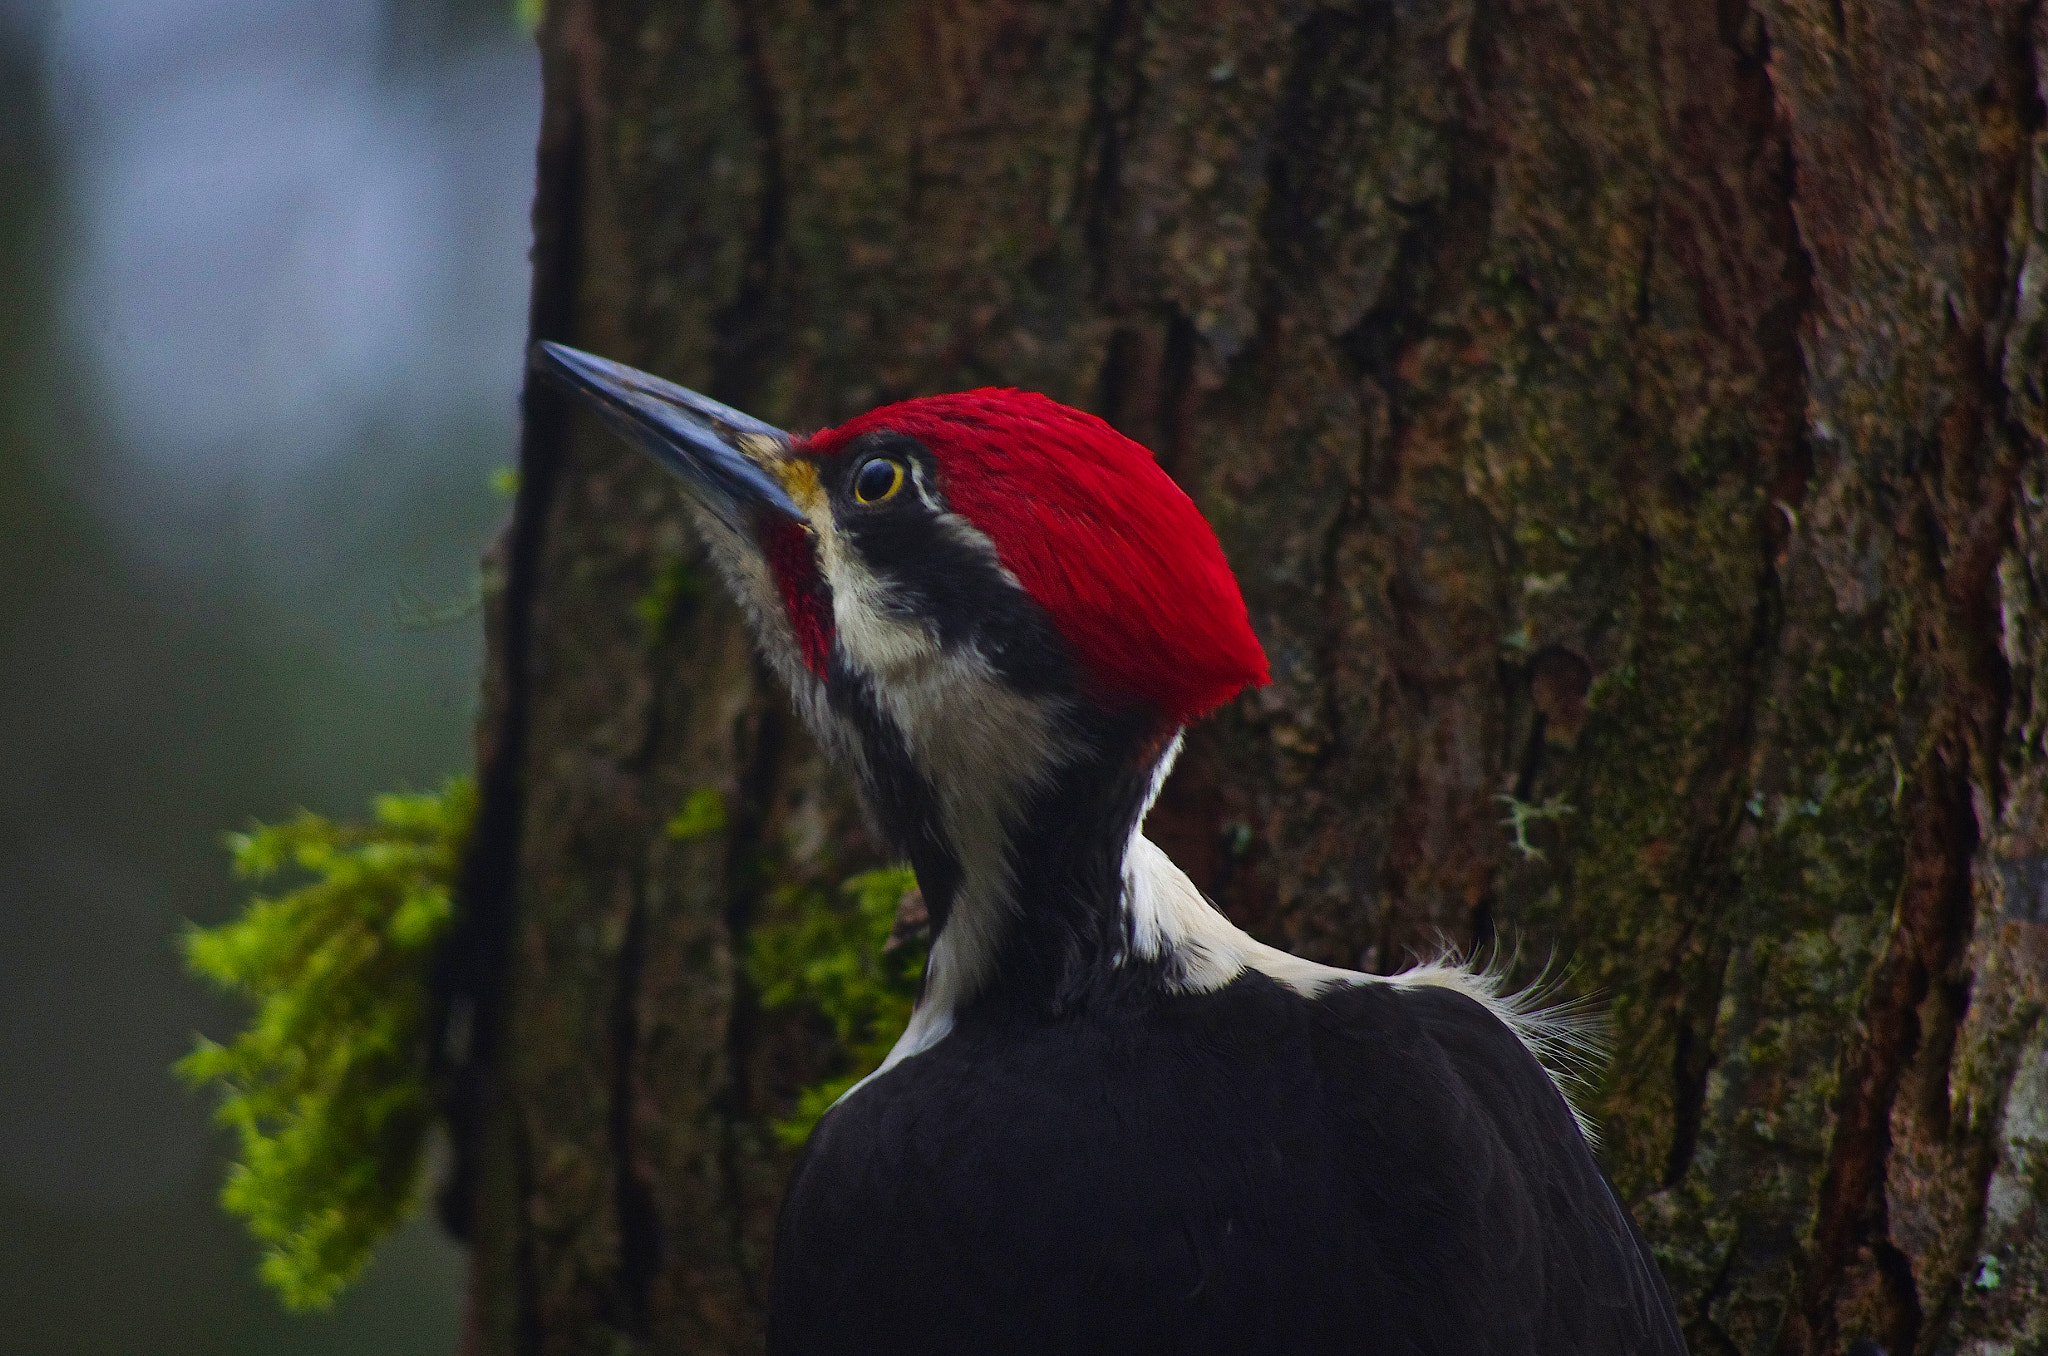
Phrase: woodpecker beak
{"type": "Point", "coordinates": [733, 461]}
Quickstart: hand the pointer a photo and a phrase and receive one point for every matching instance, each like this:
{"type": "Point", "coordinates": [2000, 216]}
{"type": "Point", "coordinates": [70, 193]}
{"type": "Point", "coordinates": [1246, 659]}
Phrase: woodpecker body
{"type": "Point", "coordinates": [1115, 1123]}
{"type": "Point", "coordinates": [1241, 1171]}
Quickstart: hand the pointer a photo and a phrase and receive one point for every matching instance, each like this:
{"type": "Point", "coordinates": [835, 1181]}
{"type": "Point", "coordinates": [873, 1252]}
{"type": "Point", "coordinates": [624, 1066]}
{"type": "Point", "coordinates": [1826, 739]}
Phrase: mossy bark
{"type": "Point", "coordinates": [1627, 420]}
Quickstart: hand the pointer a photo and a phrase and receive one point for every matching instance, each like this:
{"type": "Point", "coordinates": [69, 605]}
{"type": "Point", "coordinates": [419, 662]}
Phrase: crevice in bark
{"type": "Point", "coordinates": [527, 1337]}
{"type": "Point", "coordinates": [1113, 382]}
{"type": "Point", "coordinates": [1146, 386]}
{"type": "Point", "coordinates": [469, 981]}
{"type": "Point", "coordinates": [1646, 262]}
{"type": "Point", "coordinates": [1956, 532]}
{"type": "Point", "coordinates": [1692, 1059]}
{"type": "Point", "coordinates": [1530, 765]}
{"type": "Point", "coordinates": [1441, 244]}
{"type": "Point", "coordinates": [2022, 74]}
{"type": "Point", "coordinates": [746, 329]}
{"type": "Point", "coordinates": [1176, 395]}
{"type": "Point", "coordinates": [1374, 348]}
{"type": "Point", "coordinates": [1838, 19]}
{"type": "Point", "coordinates": [745, 336]}
{"type": "Point", "coordinates": [1932, 926]}
{"type": "Point", "coordinates": [1709, 869]}
{"type": "Point", "coordinates": [639, 1222]}
{"type": "Point", "coordinates": [1103, 148]}
{"type": "Point", "coordinates": [1703, 1323]}
{"type": "Point", "coordinates": [1784, 375]}
{"type": "Point", "coordinates": [2026, 73]}
{"type": "Point", "coordinates": [1785, 459]}
{"type": "Point", "coordinates": [1326, 44]}
{"type": "Point", "coordinates": [746, 856]}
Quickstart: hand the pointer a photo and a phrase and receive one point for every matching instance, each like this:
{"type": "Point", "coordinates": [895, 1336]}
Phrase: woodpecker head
{"type": "Point", "coordinates": [997, 611]}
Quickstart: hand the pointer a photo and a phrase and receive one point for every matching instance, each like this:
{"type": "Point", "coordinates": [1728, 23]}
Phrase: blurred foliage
{"type": "Point", "coordinates": [702, 815]}
{"type": "Point", "coordinates": [833, 955]}
{"type": "Point", "coordinates": [674, 585]}
{"type": "Point", "coordinates": [328, 1089]}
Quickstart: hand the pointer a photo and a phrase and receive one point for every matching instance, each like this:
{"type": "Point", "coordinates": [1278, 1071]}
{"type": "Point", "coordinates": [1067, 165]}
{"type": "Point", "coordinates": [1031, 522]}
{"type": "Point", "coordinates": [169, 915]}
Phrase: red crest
{"type": "Point", "coordinates": [1097, 534]}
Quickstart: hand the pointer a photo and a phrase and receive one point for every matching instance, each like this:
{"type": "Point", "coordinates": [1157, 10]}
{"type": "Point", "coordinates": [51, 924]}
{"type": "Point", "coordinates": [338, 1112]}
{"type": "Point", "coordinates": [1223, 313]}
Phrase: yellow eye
{"type": "Point", "coordinates": [877, 480]}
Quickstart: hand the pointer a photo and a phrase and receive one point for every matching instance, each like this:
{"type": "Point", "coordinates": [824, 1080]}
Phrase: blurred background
{"type": "Point", "coordinates": [262, 299]}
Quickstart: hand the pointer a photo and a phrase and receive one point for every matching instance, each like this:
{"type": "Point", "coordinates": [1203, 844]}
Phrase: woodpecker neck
{"type": "Point", "coordinates": [1033, 915]}
{"type": "Point", "coordinates": [1017, 808]}
{"type": "Point", "coordinates": [1067, 938]}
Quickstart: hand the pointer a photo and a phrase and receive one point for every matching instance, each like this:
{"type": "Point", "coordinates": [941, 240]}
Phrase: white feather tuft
{"type": "Point", "coordinates": [1568, 1036]}
{"type": "Point", "coordinates": [1172, 923]}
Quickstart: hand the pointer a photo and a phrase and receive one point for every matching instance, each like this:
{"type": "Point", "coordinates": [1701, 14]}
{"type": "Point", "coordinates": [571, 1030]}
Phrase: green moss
{"type": "Point", "coordinates": [832, 956]}
{"type": "Point", "coordinates": [702, 815]}
{"type": "Point", "coordinates": [328, 1087]}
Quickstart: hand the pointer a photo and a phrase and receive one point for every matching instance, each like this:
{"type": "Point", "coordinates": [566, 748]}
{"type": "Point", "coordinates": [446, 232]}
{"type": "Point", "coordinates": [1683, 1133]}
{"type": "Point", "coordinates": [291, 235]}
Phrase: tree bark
{"type": "Point", "coordinates": [1627, 421]}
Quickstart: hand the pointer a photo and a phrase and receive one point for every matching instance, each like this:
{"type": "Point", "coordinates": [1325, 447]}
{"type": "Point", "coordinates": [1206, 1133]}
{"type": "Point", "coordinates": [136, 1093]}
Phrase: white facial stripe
{"type": "Point", "coordinates": [983, 749]}
{"type": "Point", "coordinates": [980, 746]}
{"type": "Point", "coordinates": [925, 494]}
{"type": "Point", "coordinates": [967, 534]}
{"type": "Point", "coordinates": [873, 636]}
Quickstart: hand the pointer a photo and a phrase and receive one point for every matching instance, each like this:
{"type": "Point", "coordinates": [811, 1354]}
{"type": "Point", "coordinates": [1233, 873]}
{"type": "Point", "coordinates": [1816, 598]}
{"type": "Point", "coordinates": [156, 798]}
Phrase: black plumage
{"type": "Point", "coordinates": [1378, 1170]}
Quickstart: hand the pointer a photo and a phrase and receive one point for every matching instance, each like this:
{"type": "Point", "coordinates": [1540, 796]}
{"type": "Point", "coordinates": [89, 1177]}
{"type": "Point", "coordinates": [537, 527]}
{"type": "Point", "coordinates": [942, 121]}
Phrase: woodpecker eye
{"type": "Point", "coordinates": [878, 480]}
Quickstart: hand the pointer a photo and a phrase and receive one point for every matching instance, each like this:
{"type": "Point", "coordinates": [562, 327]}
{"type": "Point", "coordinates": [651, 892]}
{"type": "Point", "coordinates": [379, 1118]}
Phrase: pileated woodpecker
{"type": "Point", "coordinates": [1115, 1124]}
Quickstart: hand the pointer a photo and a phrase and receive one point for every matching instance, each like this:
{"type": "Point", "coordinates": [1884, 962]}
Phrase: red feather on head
{"type": "Point", "coordinates": [1097, 534]}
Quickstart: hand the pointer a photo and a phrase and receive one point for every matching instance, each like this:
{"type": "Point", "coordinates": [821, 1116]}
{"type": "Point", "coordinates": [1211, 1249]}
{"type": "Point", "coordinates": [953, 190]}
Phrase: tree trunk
{"type": "Point", "coordinates": [1626, 418]}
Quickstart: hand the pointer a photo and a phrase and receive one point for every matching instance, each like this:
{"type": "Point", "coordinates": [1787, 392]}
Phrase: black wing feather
{"type": "Point", "coordinates": [1382, 1172]}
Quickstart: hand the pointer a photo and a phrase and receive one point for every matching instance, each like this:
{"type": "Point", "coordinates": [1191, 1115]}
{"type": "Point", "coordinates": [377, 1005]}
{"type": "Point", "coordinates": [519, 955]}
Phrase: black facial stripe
{"type": "Point", "coordinates": [896, 793]}
{"type": "Point", "coordinates": [1069, 854]}
{"type": "Point", "coordinates": [938, 578]}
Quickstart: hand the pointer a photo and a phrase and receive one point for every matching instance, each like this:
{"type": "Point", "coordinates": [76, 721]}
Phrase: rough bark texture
{"type": "Point", "coordinates": [1626, 418]}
